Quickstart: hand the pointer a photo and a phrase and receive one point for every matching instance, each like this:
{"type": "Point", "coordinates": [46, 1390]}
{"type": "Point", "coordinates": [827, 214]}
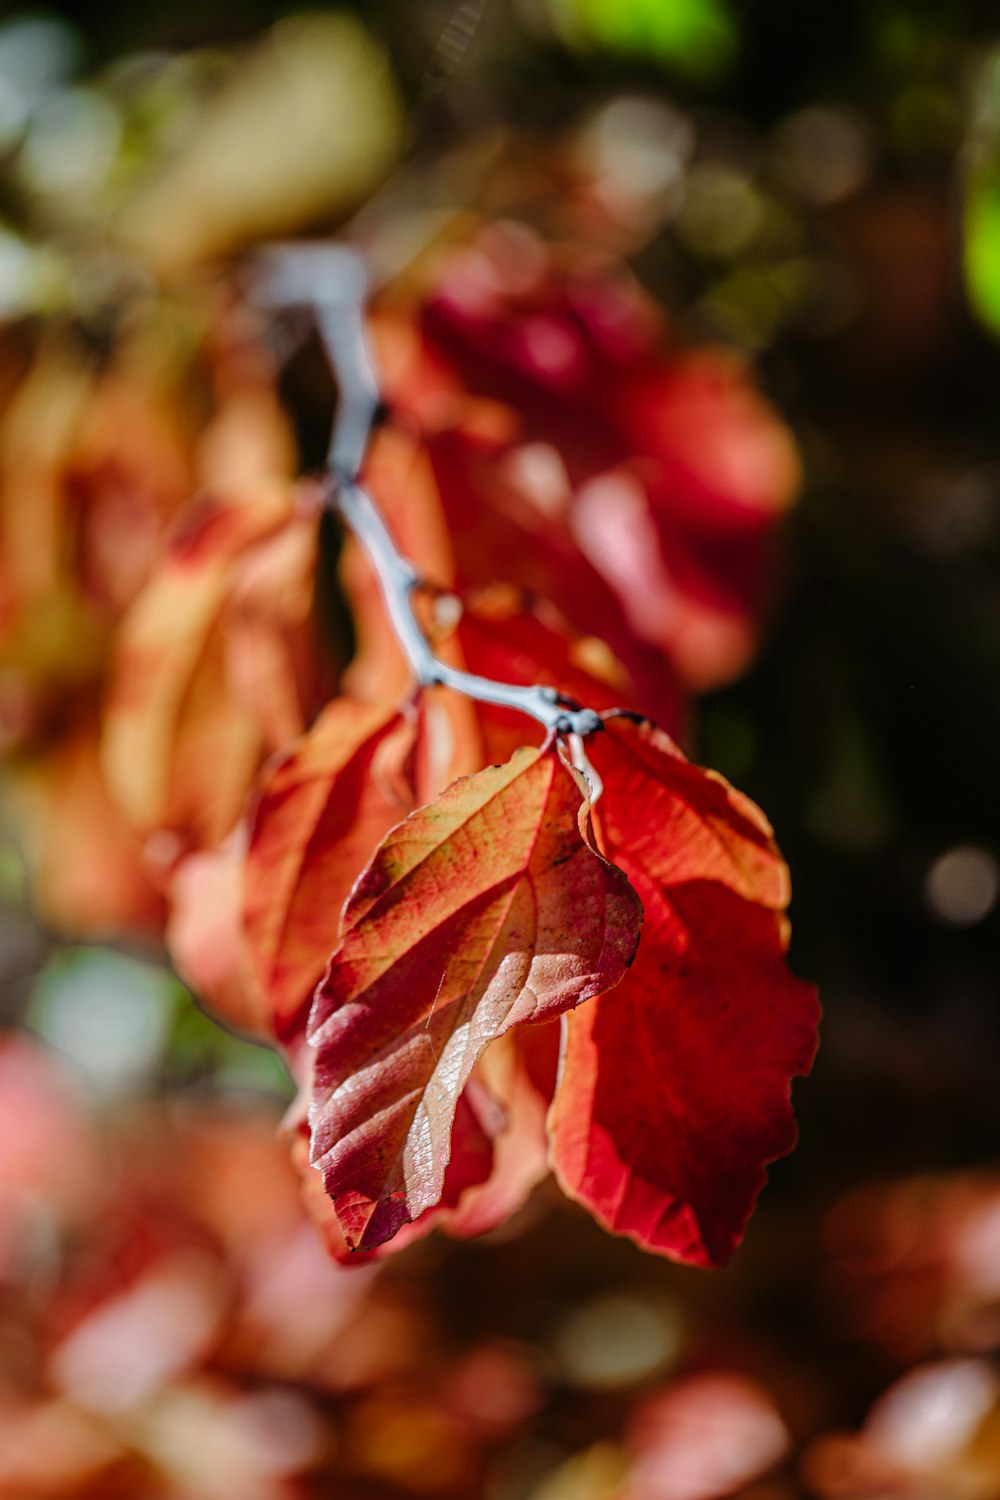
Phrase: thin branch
{"type": "Point", "coordinates": [451, 49]}
{"type": "Point", "coordinates": [398, 581]}
{"type": "Point", "coordinates": [331, 282]}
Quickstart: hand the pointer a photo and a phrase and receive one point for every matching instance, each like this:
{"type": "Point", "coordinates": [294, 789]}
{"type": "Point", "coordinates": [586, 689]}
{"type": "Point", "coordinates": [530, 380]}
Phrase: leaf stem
{"type": "Point", "coordinates": [331, 281]}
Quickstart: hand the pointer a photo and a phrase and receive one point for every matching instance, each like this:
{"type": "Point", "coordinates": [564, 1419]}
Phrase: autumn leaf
{"type": "Point", "coordinates": [673, 821]}
{"type": "Point", "coordinates": [499, 1148]}
{"type": "Point", "coordinates": [205, 939]}
{"type": "Point", "coordinates": [470, 1178]}
{"type": "Point", "coordinates": [675, 1094]}
{"type": "Point", "coordinates": [88, 875]}
{"type": "Point", "coordinates": [275, 665]}
{"type": "Point", "coordinates": [494, 503]}
{"type": "Point", "coordinates": [580, 454]}
{"type": "Point", "coordinates": [504, 636]}
{"type": "Point", "coordinates": [519, 1073]}
{"type": "Point", "coordinates": [398, 474]}
{"type": "Point", "coordinates": [485, 910]}
{"type": "Point", "coordinates": [449, 741]}
{"type": "Point", "coordinates": [184, 733]}
{"type": "Point", "coordinates": [321, 810]}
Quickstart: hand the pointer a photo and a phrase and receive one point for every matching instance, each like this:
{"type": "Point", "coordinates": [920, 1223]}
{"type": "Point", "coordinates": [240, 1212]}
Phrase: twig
{"type": "Point", "coordinates": [451, 48]}
{"type": "Point", "coordinates": [331, 281]}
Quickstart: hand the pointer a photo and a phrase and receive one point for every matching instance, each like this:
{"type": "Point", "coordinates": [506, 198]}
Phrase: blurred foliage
{"type": "Point", "coordinates": [818, 187]}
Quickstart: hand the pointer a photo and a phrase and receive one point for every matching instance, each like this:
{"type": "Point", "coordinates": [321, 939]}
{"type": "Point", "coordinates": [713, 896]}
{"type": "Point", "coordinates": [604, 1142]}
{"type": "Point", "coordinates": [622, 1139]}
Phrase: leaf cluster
{"type": "Point", "coordinates": [437, 921]}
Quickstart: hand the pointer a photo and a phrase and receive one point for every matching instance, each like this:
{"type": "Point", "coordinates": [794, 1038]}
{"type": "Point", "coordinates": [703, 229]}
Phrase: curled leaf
{"type": "Point", "coordinates": [469, 1178]}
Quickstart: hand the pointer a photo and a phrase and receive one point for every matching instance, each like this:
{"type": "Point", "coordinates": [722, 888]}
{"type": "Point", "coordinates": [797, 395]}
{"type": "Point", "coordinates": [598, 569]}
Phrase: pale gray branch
{"type": "Point", "coordinates": [331, 282]}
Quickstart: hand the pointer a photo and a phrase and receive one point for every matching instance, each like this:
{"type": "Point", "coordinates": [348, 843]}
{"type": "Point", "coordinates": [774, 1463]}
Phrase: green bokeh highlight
{"type": "Point", "coordinates": [695, 37]}
{"type": "Point", "coordinates": [981, 249]}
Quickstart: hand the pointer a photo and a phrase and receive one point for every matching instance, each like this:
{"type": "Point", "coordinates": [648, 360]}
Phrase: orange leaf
{"type": "Point", "coordinates": [182, 736]}
{"type": "Point", "coordinates": [322, 810]}
{"type": "Point", "coordinates": [86, 866]}
{"type": "Point", "coordinates": [205, 939]}
{"type": "Point", "coordinates": [482, 911]}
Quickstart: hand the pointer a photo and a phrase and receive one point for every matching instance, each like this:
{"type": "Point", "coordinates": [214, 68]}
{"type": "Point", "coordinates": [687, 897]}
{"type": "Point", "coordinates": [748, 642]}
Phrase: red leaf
{"type": "Point", "coordinates": [321, 811]}
{"type": "Point", "coordinates": [470, 1171]}
{"type": "Point", "coordinates": [482, 911]}
{"type": "Point", "coordinates": [675, 1095]}
{"type": "Point", "coordinates": [632, 483]}
{"type": "Point", "coordinates": [500, 531]}
{"type": "Point", "coordinates": [449, 743]}
{"type": "Point", "coordinates": [519, 1070]}
{"type": "Point", "coordinates": [503, 637]}
{"type": "Point", "coordinates": [717, 1428]}
{"type": "Point", "coordinates": [673, 821]}
{"type": "Point", "coordinates": [499, 1148]}
{"type": "Point", "coordinates": [398, 473]}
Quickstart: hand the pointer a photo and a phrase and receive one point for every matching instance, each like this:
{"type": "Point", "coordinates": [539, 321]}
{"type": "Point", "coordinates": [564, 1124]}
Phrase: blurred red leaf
{"type": "Point", "coordinates": [205, 939]}
{"type": "Point", "coordinates": [399, 475]}
{"type": "Point", "coordinates": [504, 636]}
{"type": "Point", "coordinates": [703, 1438]}
{"type": "Point", "coordinates": [579, 454]}
{"type": "Point", "coordinates": [48, 1149]}
{"type": "Point", "coordinates": [51, 1448]}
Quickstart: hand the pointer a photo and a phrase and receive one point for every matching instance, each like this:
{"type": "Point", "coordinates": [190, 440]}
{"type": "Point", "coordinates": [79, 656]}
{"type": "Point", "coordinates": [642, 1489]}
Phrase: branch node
{"type": "Point", "coordinates": [583, 721]}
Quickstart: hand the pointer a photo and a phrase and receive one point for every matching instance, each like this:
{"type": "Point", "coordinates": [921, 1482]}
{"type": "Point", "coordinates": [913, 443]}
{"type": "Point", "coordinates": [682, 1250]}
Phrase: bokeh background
{"type": "Point", "coordinates": [818, 188]}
